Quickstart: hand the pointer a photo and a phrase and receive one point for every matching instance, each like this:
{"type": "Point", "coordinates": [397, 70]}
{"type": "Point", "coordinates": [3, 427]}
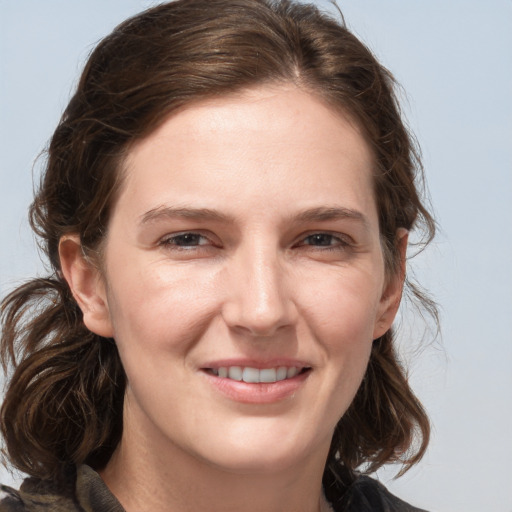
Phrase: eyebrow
{"type": "Point", "coordinates": [319, 214]}
{"type": "Point", "coordinates": [170, 212]}
{"type": "Point", "coordinates": [326, 213]}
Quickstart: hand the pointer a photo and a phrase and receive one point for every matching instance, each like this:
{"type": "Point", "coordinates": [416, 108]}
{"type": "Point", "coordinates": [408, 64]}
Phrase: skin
{"type": "Point", "coordinates": [289, 265]}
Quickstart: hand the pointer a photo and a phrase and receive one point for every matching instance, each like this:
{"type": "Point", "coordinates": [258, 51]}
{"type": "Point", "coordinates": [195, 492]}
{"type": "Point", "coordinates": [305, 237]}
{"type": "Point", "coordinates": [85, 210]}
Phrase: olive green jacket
{"type": "Point", "coordinates": [85, 491]}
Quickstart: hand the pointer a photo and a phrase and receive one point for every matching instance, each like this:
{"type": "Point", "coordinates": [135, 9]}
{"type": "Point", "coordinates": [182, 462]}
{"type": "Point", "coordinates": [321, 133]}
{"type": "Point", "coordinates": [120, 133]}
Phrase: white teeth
{"type": "Point", "coordinates": [255, 375]}
{"type": "Point", "coordinates": [268, 375]}
{"type": "Point", "coordinates": [235, 373]}
{"type": "Point", "coordinates": [251, 375]}
{"type": "Point", "coordinates": [291, 372]}
{"type": "Point", "coordinates": [281, 373]}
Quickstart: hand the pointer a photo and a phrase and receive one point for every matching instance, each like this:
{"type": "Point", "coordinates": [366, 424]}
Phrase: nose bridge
{"type": "Point", "coordinates": [259, 299]}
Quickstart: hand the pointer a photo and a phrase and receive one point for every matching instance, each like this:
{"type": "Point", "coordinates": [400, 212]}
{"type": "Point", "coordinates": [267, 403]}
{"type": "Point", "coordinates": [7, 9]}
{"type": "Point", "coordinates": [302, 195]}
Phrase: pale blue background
{"type": "Point", "coordinates": [454, 59]}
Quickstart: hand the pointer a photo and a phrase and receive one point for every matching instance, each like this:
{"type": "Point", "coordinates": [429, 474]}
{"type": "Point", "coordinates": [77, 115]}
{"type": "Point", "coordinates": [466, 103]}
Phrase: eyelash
{"type": "Point", "coordinates": [341, 242]}
{"type": "Point", "coordinates": [171, 241]}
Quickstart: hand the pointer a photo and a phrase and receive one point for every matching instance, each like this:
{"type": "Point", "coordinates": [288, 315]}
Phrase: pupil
{"type": "Point", "coordinates": [320, 239]}
{"type": "Point", "coordinates": [189, 239]}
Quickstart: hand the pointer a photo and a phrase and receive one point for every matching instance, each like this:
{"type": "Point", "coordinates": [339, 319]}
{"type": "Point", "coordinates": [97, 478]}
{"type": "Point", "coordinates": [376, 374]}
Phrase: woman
{"type": "Point", "coordinates": [226, 209]}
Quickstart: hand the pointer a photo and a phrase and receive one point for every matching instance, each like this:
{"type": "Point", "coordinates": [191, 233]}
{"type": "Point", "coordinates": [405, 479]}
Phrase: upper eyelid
{"type": "Point", "coordinates": [185, 232]}
{"type": "Point", "coordinates": [341, 236]}
{"type": "Point", "coordinates": [171, 236]}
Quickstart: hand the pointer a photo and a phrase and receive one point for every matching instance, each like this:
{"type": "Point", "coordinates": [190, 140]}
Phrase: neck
{"type": "Point", "coordinates": [170, 479]}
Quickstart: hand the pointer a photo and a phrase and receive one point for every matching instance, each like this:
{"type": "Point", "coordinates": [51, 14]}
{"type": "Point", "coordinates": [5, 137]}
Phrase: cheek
{"type": "Point", "coordinates": [343, 304]}
{"type": "Point", "coordinates": [159, 309]}
{"type": "Point", "coordinates": [340, 316]}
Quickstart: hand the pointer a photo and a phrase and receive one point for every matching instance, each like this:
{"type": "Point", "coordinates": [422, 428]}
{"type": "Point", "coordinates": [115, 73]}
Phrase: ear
{"type": "Point", "coordinates": [86, 284]}
{"type": "Point", "coordinates": [392, 293]}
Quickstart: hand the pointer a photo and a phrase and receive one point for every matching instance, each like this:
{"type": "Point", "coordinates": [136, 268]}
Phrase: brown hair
{"type": "Point", "coordinates": [64, 401]}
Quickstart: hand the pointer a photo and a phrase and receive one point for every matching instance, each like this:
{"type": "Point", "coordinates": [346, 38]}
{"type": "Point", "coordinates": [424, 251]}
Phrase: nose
{"type": "Point", "coordinates": [259, 293]}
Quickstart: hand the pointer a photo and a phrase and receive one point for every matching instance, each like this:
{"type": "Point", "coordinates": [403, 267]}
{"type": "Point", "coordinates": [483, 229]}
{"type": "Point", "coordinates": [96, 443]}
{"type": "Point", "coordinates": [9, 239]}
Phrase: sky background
{"type": "Point", "coordinates": [454, 61]}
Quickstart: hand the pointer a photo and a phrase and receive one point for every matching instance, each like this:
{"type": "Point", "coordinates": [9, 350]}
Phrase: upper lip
{"type": "Point", "coordinates": [260, 364]}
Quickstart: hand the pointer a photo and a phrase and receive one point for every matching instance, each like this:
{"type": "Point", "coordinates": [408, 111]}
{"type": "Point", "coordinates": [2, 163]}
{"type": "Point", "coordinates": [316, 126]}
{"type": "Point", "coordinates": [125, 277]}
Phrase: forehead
{"type": "Point", "coordinates": [270, 109]}
{"type": "Point", "coordinates": [263, 144]}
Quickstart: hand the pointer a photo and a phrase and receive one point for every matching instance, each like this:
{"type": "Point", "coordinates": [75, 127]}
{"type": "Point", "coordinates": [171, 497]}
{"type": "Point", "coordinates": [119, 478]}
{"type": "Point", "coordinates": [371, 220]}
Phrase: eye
{"type": "Point", "coordinates": [188, 240]}
{"type": "Point", "coordinates": [325, 246]}
{"type": "Point", "coordinates": [321, 239]}
{"type": "Point", "coordinates": [324, 240]}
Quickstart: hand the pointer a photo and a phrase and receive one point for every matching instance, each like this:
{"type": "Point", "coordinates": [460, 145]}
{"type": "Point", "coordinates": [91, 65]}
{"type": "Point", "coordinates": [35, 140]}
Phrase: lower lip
{"type": "Point", "coordinates": [258, 393]}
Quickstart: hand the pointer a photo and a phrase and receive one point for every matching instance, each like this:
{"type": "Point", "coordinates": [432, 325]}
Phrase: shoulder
{"type": "Point", "coordinates": [366, 488]}
{"type": "Point", "coordinates": [78, 490]}
{"type": "Point", "coordinates": [10, 500]}
{"type": "Point", "coordinates": [368, 495]}
{"type": "Point", "coordinates": [37, 495]}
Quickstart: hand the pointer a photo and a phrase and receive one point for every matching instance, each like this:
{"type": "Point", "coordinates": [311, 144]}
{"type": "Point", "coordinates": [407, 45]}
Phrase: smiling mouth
{"type": "Point", "coordinates": [256, 375]}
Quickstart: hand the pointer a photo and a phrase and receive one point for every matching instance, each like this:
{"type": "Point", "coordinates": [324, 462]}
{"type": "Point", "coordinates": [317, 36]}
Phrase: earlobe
{"type": "Point", "coordinates": [392, 293]}
{"type": "Point", "coordinates": [86, 284]}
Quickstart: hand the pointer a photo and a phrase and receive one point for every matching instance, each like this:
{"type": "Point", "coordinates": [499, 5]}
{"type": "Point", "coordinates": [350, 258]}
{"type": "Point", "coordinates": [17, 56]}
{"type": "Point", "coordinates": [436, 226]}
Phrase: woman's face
{"type": "Point", "coordinates": [245, 245]}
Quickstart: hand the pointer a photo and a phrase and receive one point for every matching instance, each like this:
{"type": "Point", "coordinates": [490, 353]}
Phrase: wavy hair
{"type": "Point", "coordinates": [64, 400]}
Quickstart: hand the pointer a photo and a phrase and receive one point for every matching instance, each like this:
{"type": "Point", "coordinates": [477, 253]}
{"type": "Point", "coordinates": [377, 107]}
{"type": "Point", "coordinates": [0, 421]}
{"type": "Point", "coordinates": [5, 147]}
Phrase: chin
{"type": "Point", "coordinates": [256, 453]}
{"type": "Point", "coordinates": [251, 462]}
